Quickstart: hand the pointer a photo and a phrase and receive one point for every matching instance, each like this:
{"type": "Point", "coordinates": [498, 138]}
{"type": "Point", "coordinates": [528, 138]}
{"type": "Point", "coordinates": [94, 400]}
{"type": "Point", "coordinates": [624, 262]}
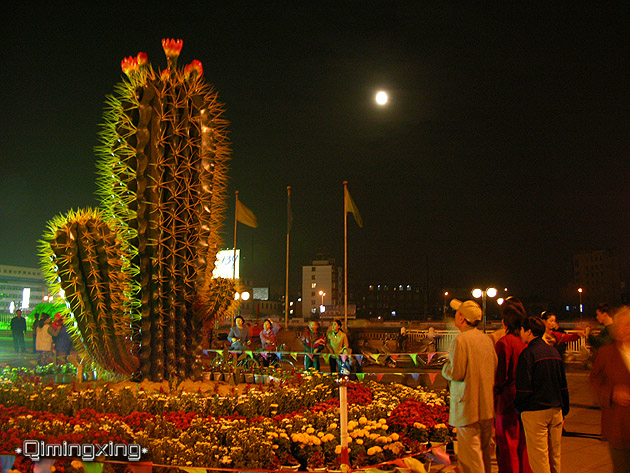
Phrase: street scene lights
{"type": "Point", "coordinates": [581, 310]}
{"type": "Point", "coordinates": [322, 308]}
{"type": "Point", "coordinates": [444, 308]}
{"type": "Point", "coordinates": [489, 292]}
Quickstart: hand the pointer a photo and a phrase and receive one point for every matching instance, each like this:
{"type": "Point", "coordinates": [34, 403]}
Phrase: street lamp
{"type": "Point", "coordinates": [489, 292]}
{"type": "Point", "coordinates": [445, 296]}
{"type": "Point", "coordinates": [322, 308]}
{"type": "Point", "coordinates": [581, 311]}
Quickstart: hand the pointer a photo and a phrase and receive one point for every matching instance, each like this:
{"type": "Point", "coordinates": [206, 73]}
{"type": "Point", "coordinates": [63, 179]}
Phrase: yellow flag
{"type": "Point", "coordinates": [246, 216]}
{"type": "Point", "coordinates": [352, 207]}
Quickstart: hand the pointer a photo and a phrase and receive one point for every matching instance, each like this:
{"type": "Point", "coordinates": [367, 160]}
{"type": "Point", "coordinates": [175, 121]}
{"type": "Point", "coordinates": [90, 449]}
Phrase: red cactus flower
{"type": "Point", "coordinates": [129, 65]}
{"type": "Point", "coordinates": [172, 47]}
{"type": "Point", "coordinates": [142, 59]}
{"type": "Point", "coordinates": [165, 74]}
{"type": "Point", "coordinates": [194, 67]}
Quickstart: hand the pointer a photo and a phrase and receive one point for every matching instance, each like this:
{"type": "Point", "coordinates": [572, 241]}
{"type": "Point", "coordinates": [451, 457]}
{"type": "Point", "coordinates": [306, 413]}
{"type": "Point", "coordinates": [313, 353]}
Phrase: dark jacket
{"type": "Point", "coordinates": [18, 324]}
{"type": "Point", "coordinates": [541, 382]}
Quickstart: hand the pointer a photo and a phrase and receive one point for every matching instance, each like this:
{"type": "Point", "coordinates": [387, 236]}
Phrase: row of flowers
{"type": "Point", "coordinates": [258, 427]}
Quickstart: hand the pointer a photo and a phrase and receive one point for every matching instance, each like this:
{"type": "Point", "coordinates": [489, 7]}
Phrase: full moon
{"type": "Point", "coordinates": [381, 98]}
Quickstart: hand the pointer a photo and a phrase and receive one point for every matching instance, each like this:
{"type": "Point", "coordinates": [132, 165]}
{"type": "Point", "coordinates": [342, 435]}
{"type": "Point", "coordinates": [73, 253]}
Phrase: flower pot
{"type": "Point", "coordinates": [289, 467]}
{"type": "Point", "coordinates": [7, 462]}
{"type": "Point", "coordinates": [64, 378]}
{"type": "Point", "coordinates": [207, 376]}
{"type": "Point", "coordinates": [89, 376]}
{"type": "Point", "coordinates": [258, 378]}
{"type": "Point", "coordinates": [230, 378]}
{"type": "Point", "coordinates": [250, 378]}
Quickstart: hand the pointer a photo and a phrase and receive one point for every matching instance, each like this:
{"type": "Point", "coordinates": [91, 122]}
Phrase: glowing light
{"type": "Point", "coordinates": [491, 291]}
{"type": "Point", "coordinates": [477, 293]}
{"type": "Point", "coordinates": [381, 97]}
{"type": "Point", "coordinates": [26, 296]}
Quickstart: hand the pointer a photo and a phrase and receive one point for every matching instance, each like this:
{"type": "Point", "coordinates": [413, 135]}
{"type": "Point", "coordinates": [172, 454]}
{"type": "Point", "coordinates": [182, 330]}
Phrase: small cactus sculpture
{"type": "Point", "coordinates": [137, 273]}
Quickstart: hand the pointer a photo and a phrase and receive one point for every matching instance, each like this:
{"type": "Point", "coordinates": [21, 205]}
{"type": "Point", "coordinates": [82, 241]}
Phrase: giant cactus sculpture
{"type": "Point", "coordinates": [137, 273]}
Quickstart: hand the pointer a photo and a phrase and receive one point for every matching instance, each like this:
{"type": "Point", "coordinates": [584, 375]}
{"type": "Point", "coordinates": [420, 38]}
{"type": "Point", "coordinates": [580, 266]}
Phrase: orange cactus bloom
{"type": "Point", "coordinates": [129, 65]}
{"type": "Point", "coordinates": [194, 67]}
{"type": "Point", "coordinates": [172, 47]}
{"type": "Point", "coordinates": [142, 59]}
{"type": "Point", "coordinates": [165, 74]}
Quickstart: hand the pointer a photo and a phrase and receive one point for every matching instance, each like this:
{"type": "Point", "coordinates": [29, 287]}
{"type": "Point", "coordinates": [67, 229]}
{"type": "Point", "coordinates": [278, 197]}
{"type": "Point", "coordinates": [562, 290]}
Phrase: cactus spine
{"type": "Point", "coordinates": [137, 274]}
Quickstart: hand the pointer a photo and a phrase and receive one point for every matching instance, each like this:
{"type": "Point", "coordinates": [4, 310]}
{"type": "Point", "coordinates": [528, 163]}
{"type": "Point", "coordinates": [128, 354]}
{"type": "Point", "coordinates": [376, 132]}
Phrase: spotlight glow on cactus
{"type": "Point", "coordinates": [137, 273]}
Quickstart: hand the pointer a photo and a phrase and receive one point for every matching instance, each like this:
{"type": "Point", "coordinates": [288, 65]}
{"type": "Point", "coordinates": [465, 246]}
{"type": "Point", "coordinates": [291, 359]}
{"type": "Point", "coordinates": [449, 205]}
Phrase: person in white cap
{"type": "Point", "coordinates": [470, 369]}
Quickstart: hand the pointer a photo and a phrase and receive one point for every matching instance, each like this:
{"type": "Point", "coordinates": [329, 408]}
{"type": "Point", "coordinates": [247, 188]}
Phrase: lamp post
{"type": "Point", "coordinates": [489, 292]}
{"type": "Point", "coordinates": [242, 296]}
{"type": "Point", "coordinates": [444, 308]}
{"type": "Point", "coordinates": [322, 307]}
{"type": "Point", "coordinates": [581, 310]}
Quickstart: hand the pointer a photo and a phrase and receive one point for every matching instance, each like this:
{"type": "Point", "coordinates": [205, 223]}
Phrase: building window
{"type": "Point", "coordinates": [313, 285]}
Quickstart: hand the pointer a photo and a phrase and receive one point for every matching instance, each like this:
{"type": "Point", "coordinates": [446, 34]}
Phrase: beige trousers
{"type": "Point", "coordinates": [474, 447]}
{"type": "Point", "coordinates": [543, 433]}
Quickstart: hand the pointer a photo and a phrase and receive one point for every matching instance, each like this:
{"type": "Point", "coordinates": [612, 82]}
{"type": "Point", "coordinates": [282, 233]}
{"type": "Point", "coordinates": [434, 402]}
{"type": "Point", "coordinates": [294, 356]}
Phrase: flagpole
{"type": "Point", "coordinates": [345, 255]}
{"type": "Point", "coordinates": [235, 226]}
{"type": "Point", "coordinates": [286, 282]}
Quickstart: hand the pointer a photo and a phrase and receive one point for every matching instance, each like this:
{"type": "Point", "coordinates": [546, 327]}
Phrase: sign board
{"type": "Point", "coordinates": [224, 266]}
{"type": "Point", "coordinates": [261, 293]}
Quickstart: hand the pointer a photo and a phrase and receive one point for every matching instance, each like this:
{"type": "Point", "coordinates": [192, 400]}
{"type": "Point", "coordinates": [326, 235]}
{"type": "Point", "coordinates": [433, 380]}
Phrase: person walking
{"type": "Point", "coordinates": [471, 370]}
{"type": "Point", "coordinates": [542, 397]}
{"type": "Point", "coordinates": [18, 327]}
{"type": "Point", "coordinates": [610, 378]}
{"type": "Point", "coordinates": [509, 433]}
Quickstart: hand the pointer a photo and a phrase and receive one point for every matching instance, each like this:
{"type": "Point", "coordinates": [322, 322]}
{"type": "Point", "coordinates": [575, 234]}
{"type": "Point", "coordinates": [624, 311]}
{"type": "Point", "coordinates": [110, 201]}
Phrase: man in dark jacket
{"type": "Point", "coordinates": [542, 397]}
{"type": "Point", "coordinates": [18, 327]}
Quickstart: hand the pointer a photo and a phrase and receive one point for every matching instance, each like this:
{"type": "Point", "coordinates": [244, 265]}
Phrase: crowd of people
{"type": "Point", "coordinates": [509, 389]}
{"type": "Point", "coordinates": [51, 339]}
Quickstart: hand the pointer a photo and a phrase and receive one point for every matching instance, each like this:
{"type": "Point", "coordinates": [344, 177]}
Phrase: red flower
{"type": "Point", "coordinates": [172, 47]}
{"type": "Point", "coordinates": [129, 65]}
{"type": "Point", "coordinates": [194, 67]}
{"type": "Point", "coordinates": [165, 74]}
{"type": "Point", "coordinates": [142, 59]}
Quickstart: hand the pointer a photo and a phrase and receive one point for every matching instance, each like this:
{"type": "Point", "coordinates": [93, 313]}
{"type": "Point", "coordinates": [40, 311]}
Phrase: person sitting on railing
{"type": "Point", "coordinates": [239, 335]}
{"type": "Point", "coordinates": [402, 341]}
{"type": "Point", "coordinates": [268, 340]}
{"type": "Point", "coordinates": [313, 343]}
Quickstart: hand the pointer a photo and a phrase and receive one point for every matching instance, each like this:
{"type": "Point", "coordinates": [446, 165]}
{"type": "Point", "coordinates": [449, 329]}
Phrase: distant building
{"type": "Point", "coordinates": [322, 284]}
{"type": "Point", "coordinates": [389, 300]}
{"type": "Point", "coordinates": [21, 288]}
{"type": "Point", "coordinates": [597, 274]}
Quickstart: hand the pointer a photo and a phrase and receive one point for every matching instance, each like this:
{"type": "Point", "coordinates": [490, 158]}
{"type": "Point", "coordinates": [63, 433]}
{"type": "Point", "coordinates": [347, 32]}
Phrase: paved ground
{"type": "Point", "coordinates": [582, 450]}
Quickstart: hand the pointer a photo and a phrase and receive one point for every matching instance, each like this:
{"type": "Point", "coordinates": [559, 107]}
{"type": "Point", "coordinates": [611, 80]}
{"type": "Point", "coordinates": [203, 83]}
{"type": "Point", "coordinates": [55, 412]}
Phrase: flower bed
{"type": "Point", "coordinates": [247, 428]}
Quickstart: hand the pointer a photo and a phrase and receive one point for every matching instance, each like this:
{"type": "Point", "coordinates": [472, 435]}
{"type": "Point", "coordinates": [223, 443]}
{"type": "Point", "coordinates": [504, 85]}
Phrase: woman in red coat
{"type": "Point", "coordinates": [510, 437]}
{"type": "Point", "coordinates": [611, 379]}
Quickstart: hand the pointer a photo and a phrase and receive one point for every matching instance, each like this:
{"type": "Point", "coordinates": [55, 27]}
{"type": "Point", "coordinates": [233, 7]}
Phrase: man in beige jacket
{"type": "Point", "coordinates": [470, 370]}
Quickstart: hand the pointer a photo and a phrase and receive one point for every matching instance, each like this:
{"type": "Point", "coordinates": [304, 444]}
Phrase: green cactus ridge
{"type": "Point", "coordinates": [137, 274]}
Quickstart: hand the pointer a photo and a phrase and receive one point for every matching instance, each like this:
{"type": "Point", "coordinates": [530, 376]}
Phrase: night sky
{"type": "Point", "coordinates": [503, 150]}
